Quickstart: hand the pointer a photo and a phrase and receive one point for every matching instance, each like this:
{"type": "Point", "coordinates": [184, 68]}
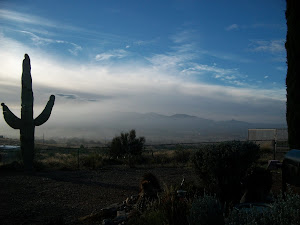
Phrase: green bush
{"type": "Point", "coordinates": [161, 159]}
{"type": "Point", "coordinates": [281, 212]}
{"type": "Point", "coordinates": [127, 143]}
{"type": "Point", "coordinates": [286, 211]}
{"type": "Point", "coordinates": [169, 209]}
{"type": "Point", "coordinates": [182, 155]}
{"type": "Point", "coordinates": [150, 217]}
{"type": "Point", "coordinates": [249, 216]}
{"type": "Point", "coordinates": [174, 208]}
{"type": "Point", "coordinates": [221, 167]}
{"type": "Point", "coordinates": [92, 161]}
{"type": "Point", "coordinates": [206, 210]}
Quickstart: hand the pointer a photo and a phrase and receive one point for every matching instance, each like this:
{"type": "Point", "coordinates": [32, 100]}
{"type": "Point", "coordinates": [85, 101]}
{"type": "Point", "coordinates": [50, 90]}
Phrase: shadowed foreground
{"type": "Point", "coordinates": [50, 196]}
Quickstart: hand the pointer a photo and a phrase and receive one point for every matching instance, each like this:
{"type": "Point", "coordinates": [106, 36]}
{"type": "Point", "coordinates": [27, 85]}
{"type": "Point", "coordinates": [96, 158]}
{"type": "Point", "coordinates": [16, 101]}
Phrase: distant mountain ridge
{"type": "Point", "coordinates": [182, 116]}
{"type": "Point", "coordinates": [184, 127]}
{"type": "Point", "coordinates": [161, 128]}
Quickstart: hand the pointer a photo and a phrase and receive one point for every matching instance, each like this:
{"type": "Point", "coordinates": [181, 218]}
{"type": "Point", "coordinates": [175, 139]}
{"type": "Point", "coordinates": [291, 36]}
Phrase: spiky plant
{"type": "Point", "coordinates": [27, 124]}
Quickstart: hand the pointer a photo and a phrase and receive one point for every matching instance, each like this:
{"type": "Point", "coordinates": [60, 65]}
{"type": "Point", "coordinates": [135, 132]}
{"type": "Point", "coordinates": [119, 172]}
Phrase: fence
{"type": "Point", "coordinates": [13, 154]}
{"type": "Point", "coordinates": [43, 151]}
{"type": "Point", "coordinates": [277, 138]}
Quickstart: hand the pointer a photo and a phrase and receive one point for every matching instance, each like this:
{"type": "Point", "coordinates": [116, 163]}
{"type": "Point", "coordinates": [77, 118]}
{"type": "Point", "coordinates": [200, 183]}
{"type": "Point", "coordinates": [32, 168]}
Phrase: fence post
{"type": "Point", "coordinates": [78, 158]}
{"type": "Point", "coordinates": [274, 149]}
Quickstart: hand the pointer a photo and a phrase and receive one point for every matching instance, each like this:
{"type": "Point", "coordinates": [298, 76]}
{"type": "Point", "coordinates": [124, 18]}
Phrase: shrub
{"type": "Point", "coordinates": [127, 143]}
{"type": "Point", "coordinates": [221, 167]}
{"type": "Point", "coordinates": [174, 208]}
{"type": "Point", "coordinates": [281, 212]}
{"type": "Point", "coordinates": [169, 209]}
{"type": "Point", "coordinates": [150, 217]}
{"type": "Point", "coordinates": [116, 147]}
{"type": "Point", "coordinates": [161, 159]}
{"type": "Point", "coordinates": [181, 155]}
{"type": "Point", "coordinates": [92, 161]}
{"type": "Point", "coordinates": [257, 185]}
{"type": "Point", "coordinates": [205, 211]}
{"type": "Point", "coordinates": [249, 216]}
{"type": "Point", "coordinates": [133, 160]}
{"type": "Point", "coordinates": [286, 211]}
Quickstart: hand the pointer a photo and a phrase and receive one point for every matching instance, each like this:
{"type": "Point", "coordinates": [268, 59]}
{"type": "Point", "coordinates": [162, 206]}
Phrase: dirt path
{"type": "Point", "coordinates": [52, 195]}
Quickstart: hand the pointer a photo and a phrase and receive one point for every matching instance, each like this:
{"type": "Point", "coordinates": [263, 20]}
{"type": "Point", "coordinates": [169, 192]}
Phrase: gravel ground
{"type": "Point", "coordinates": [49, 196]}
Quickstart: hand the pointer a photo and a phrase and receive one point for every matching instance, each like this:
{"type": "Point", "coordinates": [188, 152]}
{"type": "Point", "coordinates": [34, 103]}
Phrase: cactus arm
{"type": "Point", "coordinates": [44, 116]}
{"type": "Point", "coordinates": [10, 118]}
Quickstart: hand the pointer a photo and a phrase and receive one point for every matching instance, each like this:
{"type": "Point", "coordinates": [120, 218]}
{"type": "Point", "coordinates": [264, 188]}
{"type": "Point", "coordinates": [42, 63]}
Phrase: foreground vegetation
{"type": "Point", "coordinates": [211, 199]}
{"type": "Point", "coordinates": [208, 209]}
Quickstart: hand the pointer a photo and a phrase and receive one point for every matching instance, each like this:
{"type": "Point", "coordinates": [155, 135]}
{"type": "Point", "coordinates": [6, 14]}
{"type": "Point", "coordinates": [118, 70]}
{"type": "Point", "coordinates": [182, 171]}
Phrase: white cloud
{"type": "Point", "coordinates": [281, 68]}
{"type": "Point", "coordinates": [24, 18]}
{"type": "Point", "coordinates": [37, 40]}
{"type": "Point", "coordinates": [40, 41]}
{"type": "Point", "coordinates": [182, 37]}
{"type": "Point", "coordinates": [75, 49]}
{"type": "Point", "coordinates": [227, 56]}
{"type": "Point", "coordinates": [266, 77]}
{"type": "Point", "coordinates": [232, 27]}
{"type": "Point", "coordinates": [117, 53]}
{"type": "Point", "coordinates": [166, 60]}
{"type": "Point", "coordinates": [273, 46]}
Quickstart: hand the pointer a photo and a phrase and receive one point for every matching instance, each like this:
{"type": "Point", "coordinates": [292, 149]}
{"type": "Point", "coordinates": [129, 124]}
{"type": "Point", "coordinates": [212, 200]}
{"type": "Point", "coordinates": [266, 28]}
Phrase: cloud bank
{"type": "Point", "coordinates": [95, 88]}
{"type": "Point", "coordinates": [117, 80]}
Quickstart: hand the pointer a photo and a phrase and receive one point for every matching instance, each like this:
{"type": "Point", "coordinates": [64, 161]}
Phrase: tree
{"type": "Point", "coordinates": [292, 46]}
{"type": "Point", "coordinates": [127, 143]}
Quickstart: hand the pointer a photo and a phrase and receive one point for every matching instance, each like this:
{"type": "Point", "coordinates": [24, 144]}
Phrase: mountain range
{"type": "Point", "coordinates": [164, 129]}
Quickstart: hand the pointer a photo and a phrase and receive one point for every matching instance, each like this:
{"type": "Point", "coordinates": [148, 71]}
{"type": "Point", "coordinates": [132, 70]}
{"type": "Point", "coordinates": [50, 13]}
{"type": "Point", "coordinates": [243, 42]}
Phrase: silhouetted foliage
{"type": "Point", "coordinates": [221, 167]}
{"type": "Point", "coordinates": [168, 209]}
{"type": "Point", "coordinates": [182, 155]}
{"type": "Point", "coordinates": [27, 124]}
{"type": "Point", "coordinates": [292, 46]}
{"type": "Point", "coordinates": [206, 210]}
{"type": "Point", "coordinates": [257, 185]}
{"type": "Point", "coordinates": [281, 212]}
{"type": "Point", "coordinates": [127, 144]}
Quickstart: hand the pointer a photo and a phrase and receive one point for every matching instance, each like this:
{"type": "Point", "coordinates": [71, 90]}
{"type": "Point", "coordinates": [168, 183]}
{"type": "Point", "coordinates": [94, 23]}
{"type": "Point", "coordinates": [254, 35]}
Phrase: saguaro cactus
{"type": "Point", "coordinates": [27, 124]}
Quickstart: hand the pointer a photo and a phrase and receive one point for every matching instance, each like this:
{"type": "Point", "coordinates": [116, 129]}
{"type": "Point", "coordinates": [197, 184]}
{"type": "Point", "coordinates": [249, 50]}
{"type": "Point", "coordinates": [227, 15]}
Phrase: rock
{"type": "Point", "coordinates": [274, 165]}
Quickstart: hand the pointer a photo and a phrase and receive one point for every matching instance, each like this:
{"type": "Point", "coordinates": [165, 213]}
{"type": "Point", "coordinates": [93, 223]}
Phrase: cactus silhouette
{"type": "Point", "coordinates": [27, 124]}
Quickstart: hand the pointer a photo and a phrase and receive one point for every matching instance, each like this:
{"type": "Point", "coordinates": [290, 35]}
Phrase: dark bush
{"type": "Point", "coordinates": [221, 167]}
{"type": "Point", "coordinates": [168, 209]}
{"type": "Point", "coordinates": [257, 185]}
{"type": "Point", "coordinates": [173, 208]}
{"type": "Point", "coordinates": [206, 210]}
{"type": "Point", "coordinates": [127, 144]}
{"type": "Point", "coordinates": [161, 159]}
{"type": "Point", "coordinates": [281, 212]}
{"type": "Point", "coordinates": [92, 161]}
{"type": "Point", "coordinates": [182, 155]}
{"type": "Point", "coordinates": [116, 147]}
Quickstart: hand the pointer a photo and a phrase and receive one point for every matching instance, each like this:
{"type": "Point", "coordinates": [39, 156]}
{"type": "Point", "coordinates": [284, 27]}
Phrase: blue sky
{"type": "Point", "coordinates": [215, 59]}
